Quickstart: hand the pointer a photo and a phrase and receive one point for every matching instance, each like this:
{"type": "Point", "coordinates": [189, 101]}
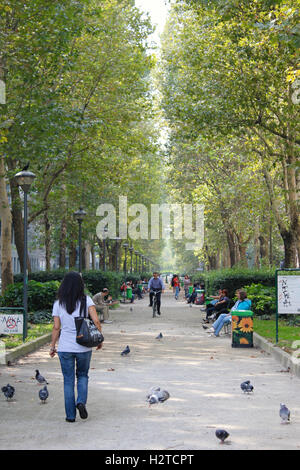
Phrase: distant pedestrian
{"type": "Point", "coordinates": [177, 286]}
{"type": "Point", "coordinates": [186, 285]}
{"type": "Point", "coordinates": [70, 353]}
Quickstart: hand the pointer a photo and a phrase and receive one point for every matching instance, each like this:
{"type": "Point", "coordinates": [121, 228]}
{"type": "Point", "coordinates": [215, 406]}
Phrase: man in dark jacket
{"type": "Point", "coordinates": [156, 284]}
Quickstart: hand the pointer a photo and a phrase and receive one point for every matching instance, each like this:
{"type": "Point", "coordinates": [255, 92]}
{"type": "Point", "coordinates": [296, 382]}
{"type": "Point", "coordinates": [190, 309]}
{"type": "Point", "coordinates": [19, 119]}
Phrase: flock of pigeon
{"type": "Point", "coordinates": [247, 387]}
{"type": "Point", "coordinates": [9, 390]}
{"type": "Point", "coordinates": [154, 396]}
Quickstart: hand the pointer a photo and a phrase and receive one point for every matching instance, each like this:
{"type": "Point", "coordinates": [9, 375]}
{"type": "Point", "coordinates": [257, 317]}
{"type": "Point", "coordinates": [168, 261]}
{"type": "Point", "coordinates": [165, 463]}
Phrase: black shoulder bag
{"type": "Point", "coordinates": [86, 332]}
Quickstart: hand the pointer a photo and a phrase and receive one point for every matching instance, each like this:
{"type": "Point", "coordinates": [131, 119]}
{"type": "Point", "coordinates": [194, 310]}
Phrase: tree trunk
{"type": "Point", "coordinates": [62, 243]}
{"type": "Point", "coordinates": [6, 227]}
{"type": "Point", "coordinates": [290, 251]}
{"type": "Point", "coordinates": [47, 227]}
{"type": "Point", "coordinates": [87, 256]}
{"type": "Point", "coordinates": [263, 248]}
{"type": "Point", "coordinates": [231, 247]}
{"type": "Point", "coordinates": [93, 257]}
{"type": "Point", "coordinates": [17, 219]}
{"type": "Point", "coordinates": [72, 255]}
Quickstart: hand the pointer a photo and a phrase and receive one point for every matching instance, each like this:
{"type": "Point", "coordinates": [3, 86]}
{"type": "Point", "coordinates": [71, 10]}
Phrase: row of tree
{"type": "Point", "coordinates": [229, 80]}
{"type": "Point", "coordinates": [79, 110]}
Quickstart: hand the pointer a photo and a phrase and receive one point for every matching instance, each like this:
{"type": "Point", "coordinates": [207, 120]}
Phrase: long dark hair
{"type": "Point", "coordinates": [71, 291]}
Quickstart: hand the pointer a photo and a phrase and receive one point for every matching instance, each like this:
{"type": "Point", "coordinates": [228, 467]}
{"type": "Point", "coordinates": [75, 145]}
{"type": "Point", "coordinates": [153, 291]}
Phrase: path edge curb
{"type": "Point", "coordinates": [281, 356]}
{"type": "Point", "coordinates": [12, 355]}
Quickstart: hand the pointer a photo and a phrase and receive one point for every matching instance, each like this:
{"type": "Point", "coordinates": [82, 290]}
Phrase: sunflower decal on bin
{"type": "Point", "coordinates": [242, 329]}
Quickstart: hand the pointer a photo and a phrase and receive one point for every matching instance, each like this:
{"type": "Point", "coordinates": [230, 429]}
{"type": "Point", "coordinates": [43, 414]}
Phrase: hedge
{"type": "Point", "coordinates": [94, 281]}
{"type": "Point", "coordinates": [235, 278]}
{"type": "Point", "coordinates": [41, 295]}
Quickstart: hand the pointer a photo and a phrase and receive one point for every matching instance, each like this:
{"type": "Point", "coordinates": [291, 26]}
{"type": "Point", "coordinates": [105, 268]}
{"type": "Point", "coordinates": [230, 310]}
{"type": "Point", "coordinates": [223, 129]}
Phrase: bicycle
{"type": "Point", "coordinates": [154, 303]}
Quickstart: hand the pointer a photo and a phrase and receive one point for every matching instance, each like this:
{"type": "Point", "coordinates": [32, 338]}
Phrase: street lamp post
{"type": "Point", "coordinates": [143, 257]}
{"type": "Point", "coordinates": [131, 253]}
{"type": "Point", "coordinates": [79, 216]}
{"type": "Point", "coordinates": [125, 246]}
{"type": "Point", "coordinates": [105, 230]}
{"type": "Point", "coordinates": [136, 260]}
{"type": "Point", "coordinates": [117, 239]}
{"type": "Point", "coordinates": [24, 180]}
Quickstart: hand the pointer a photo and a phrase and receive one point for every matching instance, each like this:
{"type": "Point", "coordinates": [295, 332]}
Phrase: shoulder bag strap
{"type": "Point", "coordinates": [83, 307]}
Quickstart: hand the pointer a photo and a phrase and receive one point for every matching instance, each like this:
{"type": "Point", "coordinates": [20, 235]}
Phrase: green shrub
{"type": "Point", "coordinates": [235, 278]}
{"type": "Point", "coordinates": [40, 317]}
{"type": "Point", "coordinates": [263, 299]}
{"type": "Point", "coordinates": [41, 295]}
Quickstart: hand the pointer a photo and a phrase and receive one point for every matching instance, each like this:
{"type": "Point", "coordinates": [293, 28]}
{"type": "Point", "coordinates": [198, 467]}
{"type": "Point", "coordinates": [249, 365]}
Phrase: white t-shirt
{"type": "Point", "coordinates": [67, 340]}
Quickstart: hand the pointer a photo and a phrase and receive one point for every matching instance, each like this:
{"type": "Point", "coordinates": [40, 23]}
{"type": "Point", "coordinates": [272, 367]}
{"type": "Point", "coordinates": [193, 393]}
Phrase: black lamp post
{"type": "Point", "coordinates": [136, 260]}
{"type": "Point", "coordinates": [143, 257]}
{"type": "Point", "coordinates": [131, 253]}
{"type": "Point", "coordinates": [125, 246]}
{"type": "Point", "coordinates": [24, 180]}
{"type": "Point", "coordinates": [105, 230]}
{"type": "Point", "coordinates": [79, 216]}
{"type": "Point", "coordinates": [118, 240]}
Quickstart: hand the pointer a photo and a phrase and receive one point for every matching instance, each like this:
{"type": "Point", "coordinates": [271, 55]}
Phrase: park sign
{"type": "Point", "coordinates": [287, 293]}
{"type": "Point", "coordinates": [288, 298]}
{"type": "Point", "coordinates": [11, 324]}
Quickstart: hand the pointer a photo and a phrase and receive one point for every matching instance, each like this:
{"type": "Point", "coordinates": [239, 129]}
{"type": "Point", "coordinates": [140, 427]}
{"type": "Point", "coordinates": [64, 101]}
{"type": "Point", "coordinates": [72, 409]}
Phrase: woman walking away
{"type": "Point", "coordinates": [70, 353]}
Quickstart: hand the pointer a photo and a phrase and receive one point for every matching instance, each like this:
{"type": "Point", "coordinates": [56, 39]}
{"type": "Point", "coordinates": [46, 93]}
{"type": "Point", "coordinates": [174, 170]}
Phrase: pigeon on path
{"type": "Point", "coordinates": [40, 378]}
{"type": "Point", "coordinates": [284, 414]}
{"type": "Point", "coordinates": [8, 391]}
{"type": "Point", "coordinates": [222, 435]}
{"type": "Point", "coordinates": [157, 395]}
{"type": "Point", "coordinates": [247, 387]}
{"type": "Point", "coordinates": [126, 351]}
{"type": "Point", "coordinates": [160, 336]}
{"type": "Point", "coordinates": [43, 394]}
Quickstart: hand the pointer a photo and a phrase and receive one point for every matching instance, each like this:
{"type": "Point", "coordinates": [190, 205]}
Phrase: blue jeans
{"type": "Point", "coordinates": [67, 362]}
{"type": "Point", "coordinates": [176, 292]}
{"type": "Point", "coordinates": [220, 322]}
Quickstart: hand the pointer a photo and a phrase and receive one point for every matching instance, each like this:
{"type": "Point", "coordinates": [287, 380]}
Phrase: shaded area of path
{"type": "Point", "coordinates": [201, 373]}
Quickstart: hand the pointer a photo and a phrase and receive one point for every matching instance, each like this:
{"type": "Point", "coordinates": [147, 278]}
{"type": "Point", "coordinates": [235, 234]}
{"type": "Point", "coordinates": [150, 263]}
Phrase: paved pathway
{"type": "Point", "coordinates": [201, 373]}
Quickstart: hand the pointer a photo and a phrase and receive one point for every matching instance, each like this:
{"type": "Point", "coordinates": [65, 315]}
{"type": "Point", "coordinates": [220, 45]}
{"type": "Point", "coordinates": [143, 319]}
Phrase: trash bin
{"type": "Point", "coordinates": [242, 329]}
{"type": "Point", "coordinates": [128, 293]}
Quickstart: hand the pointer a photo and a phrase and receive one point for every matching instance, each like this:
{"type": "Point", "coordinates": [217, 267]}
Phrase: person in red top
{"type": "Point", "coordinates": [176, 284]}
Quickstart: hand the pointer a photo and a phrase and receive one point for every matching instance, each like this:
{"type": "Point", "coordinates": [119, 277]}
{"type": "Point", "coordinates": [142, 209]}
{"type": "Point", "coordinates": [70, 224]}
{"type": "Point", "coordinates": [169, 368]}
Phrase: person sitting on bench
{"type": "Point", "coordinates": [241, 304]}
{"type": "Point", "coordinates": [102, 300]}
{"type": "Point", "coordinates": [221, 304]}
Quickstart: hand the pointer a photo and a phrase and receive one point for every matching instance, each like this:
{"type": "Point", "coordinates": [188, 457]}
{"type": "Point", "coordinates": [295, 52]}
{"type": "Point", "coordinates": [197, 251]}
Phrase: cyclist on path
{"type": "Point", "coordinates": [156, 284]}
